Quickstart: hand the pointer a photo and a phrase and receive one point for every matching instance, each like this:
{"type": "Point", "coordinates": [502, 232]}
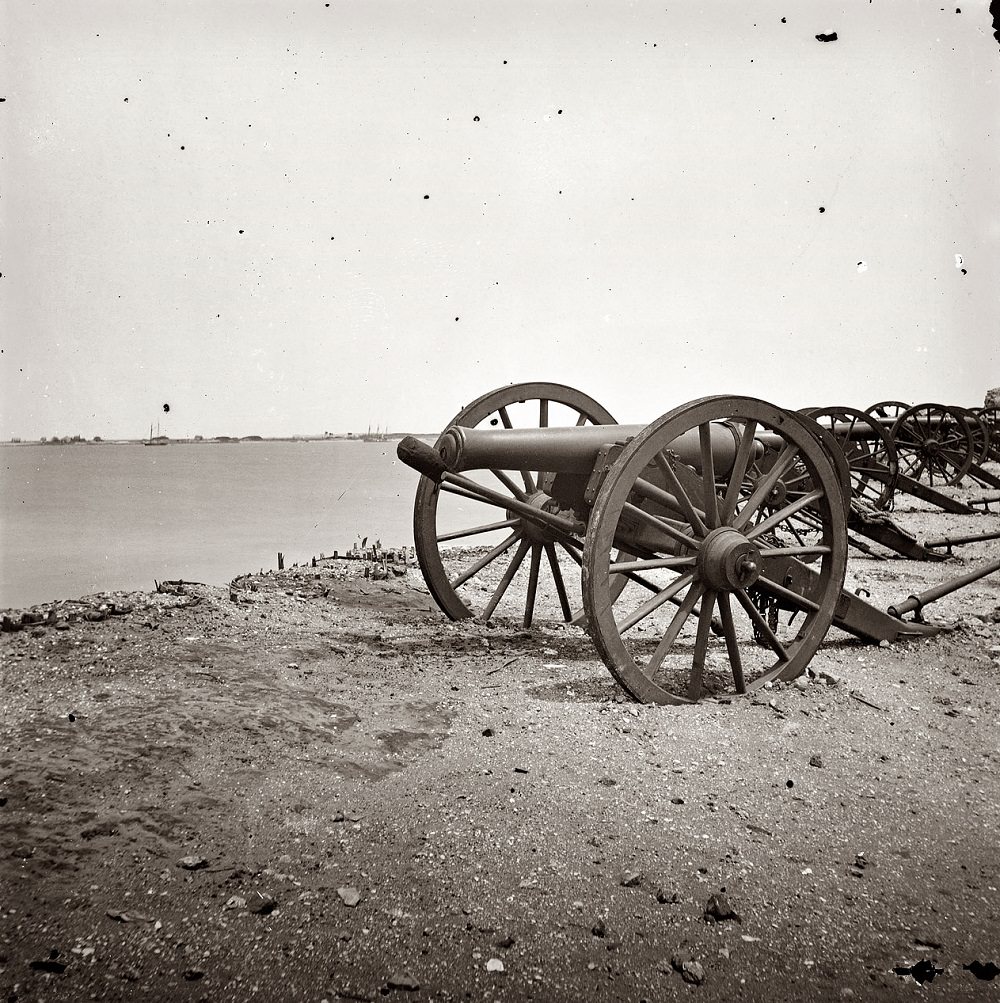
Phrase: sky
{"type": "Point", "coordinates": [290, 217]}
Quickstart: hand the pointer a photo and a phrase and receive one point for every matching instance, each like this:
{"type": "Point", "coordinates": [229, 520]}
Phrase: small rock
{"type": "Point", "coordinates": [349, 896]}
{"type": "Point", "coordinates": [631, 879]}
{"type": "Point", "coordinates": [599, 929]}
{"type": "Point", "coordinates": [193, 974]}
{"type": "Point", "coordinates": [236, 902]}
{"type": "Point", "coordinates": [263, 905]}
{"type": "Point", "coordinates": [192, 863]}
{"type": "Point", "coordinates": [718, 910]}
{"type": "Point", "coordinates": [690, 970]}
{"type": "Point", "coordinates": [494, 965]}
{"type": "Point", "coordinates": [667, 898]}
{"type": "Point", "coordinates": [816, 760]}
{"type": "Point", "coordinates": [404, 981]}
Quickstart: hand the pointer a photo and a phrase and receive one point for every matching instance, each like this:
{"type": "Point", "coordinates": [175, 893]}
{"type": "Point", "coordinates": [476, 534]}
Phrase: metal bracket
{"type": "Point", "coordinates": [607, 455]}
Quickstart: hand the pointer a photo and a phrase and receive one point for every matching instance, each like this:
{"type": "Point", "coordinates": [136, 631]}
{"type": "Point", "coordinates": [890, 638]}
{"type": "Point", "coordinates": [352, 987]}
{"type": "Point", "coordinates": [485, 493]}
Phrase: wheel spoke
{"type": "Point", "coordinates": [797, 535]}
{"type": "Point", "coordinates": [661, 525]}
{"type": "Point", "coordinates": [708, 474]}
{"type": "Point", "coordinates": [680, 500]}
{"type": "Point", "coordinates": [782, 465]}
{"type": "Point", "coordinates": [782, 514]}
{"type": "Point", "coordinates": [674, 628]}
{"type": "Point", "coordinates": [457, 484]}
{"type": "Point", "coordinates": [459, 534]}
{"type": "Point", "coordinates": [508, 577]}
{"type": "Point", "coordinates": [572, 548]}
{"type": "Point", "coordinates": [701, 645]}
{"type": "Point", "coordinates": [679, 503]}
{"type": "Point", "coordinates": [654, 603]}
{"type": "Point", "coordinates": [655, 562]}
{"type": "Point", "coordinates": [529, 601]}
{"type": "Point", "coordinates": [543, 413]}
{"type": "Point", "coordinates": [743, 454]}
{"type": "Point", "coordinates": [763, 627]}
{"type": "Point", "coordinates": [802, 551]}
{"type": "Point", "coordinates": [509, 485]}
{"type": "Point", "coordinates": [787, 594]}
{"type": "Point", "coordinates": [557, 578]}
{"type": "Point", "coordinates": [732, 643]}
{"type": "Point", "coordinates": [500, 548]}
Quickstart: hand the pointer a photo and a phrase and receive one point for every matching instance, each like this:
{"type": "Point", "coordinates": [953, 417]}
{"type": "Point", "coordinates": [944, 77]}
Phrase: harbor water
{"type": "Point", "coordinates": [85, 518]}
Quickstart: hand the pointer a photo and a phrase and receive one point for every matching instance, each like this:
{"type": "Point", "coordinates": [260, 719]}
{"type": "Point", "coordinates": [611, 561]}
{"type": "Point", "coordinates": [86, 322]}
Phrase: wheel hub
{"type": "Point", "coordinates": [775, 498]}
{"type": "Point", "coordinates": [533, 531]}
{"type": "Point", "coordinates": [728, 560]}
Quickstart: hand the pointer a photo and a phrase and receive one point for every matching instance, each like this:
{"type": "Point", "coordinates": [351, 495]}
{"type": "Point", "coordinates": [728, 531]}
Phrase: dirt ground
{"type": "Point", "coordinates": [312, 786]}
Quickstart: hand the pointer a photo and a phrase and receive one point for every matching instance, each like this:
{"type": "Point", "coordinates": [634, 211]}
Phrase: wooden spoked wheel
{"type": "Point", "coordinates": [705, 553]}
{"type": "Point", "coordinates": [471, 549]}
{"type": "Point", "coordinates": [990, 416]}
{"type": "Point", "coordinates": [888, 410]}
{"type": "Point", "coordinates": [980, 430]}
{"type": "Point", "coordinates": [934, 445]}
{"type": "Point", "coordinates": [870, 452]}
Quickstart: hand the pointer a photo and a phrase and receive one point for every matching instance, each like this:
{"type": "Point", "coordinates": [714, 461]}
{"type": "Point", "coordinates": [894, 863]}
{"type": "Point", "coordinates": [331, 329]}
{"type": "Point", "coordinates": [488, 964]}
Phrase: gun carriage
{"type": "Point", "coordinates": [711, 544]}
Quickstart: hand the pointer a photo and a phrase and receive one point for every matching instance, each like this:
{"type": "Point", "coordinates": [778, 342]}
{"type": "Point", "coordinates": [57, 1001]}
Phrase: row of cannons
{"type": "Point", "coordinates": [705, 552]}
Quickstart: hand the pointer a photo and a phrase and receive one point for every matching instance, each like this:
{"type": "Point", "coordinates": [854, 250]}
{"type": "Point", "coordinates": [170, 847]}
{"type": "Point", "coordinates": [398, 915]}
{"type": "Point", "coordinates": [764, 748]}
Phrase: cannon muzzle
{"type": "Point", "coordinates": [423, 458]}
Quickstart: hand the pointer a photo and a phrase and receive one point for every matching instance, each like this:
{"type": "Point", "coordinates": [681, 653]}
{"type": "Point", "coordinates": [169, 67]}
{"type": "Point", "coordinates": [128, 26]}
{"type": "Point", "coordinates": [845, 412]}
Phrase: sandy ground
{"type": "Point", "coordinates": [315, 787]}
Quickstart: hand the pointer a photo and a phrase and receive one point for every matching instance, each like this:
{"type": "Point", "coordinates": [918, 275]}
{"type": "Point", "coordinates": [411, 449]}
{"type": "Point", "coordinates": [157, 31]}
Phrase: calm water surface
{"type": "Point", "coordinates": [87, 518]}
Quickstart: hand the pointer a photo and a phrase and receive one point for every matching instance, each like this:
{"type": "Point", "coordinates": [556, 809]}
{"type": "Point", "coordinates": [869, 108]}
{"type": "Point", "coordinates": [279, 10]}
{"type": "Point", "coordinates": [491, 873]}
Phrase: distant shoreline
{"type": "Point", "coordinates": [219, 440]}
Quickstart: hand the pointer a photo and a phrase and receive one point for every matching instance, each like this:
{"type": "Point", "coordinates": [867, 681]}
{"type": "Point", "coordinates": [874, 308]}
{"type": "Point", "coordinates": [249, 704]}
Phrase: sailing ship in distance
{"type": "Point", "coordinates": [158, 440]}
{"type": "Point", "coordinates": [376, 436]}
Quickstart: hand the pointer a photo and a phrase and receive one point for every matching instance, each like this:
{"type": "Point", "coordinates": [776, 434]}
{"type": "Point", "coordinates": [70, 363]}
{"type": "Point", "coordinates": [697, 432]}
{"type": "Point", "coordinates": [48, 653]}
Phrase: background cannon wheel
{"type": "Point", "coordinates": [979, 429]}
{"type": "Point", "coordinates": [869, 450]}
{"type": "Point", "coordinates": [469, 550]}
{"type": "Point", "coordinates": [888, 410]}
{"type": "Point", "coordinates": [990, 416]}
{"type": "Point", "coordinates": [695, 634]}
{"type": "Point", "coordinates": [934, 444]}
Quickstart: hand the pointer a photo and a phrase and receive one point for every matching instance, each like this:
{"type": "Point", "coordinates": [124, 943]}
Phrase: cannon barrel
{"type": "Point", "coordinates": [569, 450]}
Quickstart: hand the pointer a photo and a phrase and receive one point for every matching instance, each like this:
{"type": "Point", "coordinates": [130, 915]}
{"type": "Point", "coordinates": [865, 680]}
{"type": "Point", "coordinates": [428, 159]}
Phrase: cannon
{"type": "Point", "coordinates": [711, 544]}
